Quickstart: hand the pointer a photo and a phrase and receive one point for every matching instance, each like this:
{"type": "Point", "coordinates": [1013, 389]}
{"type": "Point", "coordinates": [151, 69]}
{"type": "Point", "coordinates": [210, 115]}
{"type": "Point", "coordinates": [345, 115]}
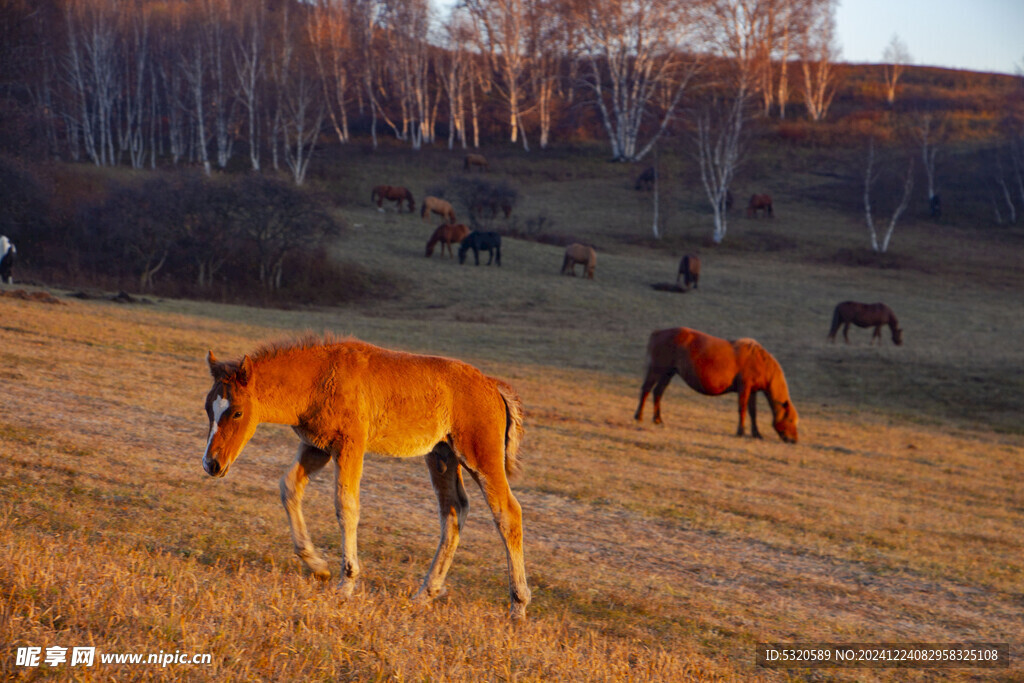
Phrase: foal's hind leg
{"type": "Point", "coordinates": [453, 506]}
{"type": "Point", "coordinates": [488, 469]}
{"type": "Point", "coordinates": [308, 460]}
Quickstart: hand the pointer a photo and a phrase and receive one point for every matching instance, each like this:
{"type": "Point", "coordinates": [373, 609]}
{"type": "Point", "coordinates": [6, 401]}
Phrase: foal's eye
{"type": "Point", "coordinates": [238, 414]}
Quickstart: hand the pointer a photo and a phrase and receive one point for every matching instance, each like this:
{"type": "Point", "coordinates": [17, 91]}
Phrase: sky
{"type": "Point", "coordinates": [977, 35]}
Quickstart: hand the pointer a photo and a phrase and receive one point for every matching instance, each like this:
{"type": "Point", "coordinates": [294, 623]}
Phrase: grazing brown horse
{"type": "Point", "coordinates": [438, 206]}
{"type": "Point", "coordinates": [447, 235]}
{"type": "Point", "coordinates": [395, 193]}
{"type": "Point", "coordinates": [482, 207]}
{"type": "Point", "coordinates": [760, 202]}
{"type": "Point", "coordinates": [579, 253]}
{"type": "Point", "coordinates": [343, 398]}
{"type": "Point", "coordinates": [689, 270]}
{"type": "Point", "coordinates": [865, 315]}
{"type": "Point", "coordinates": [478, 160]}
{"type": "Point", "coordinates": [714, 366]}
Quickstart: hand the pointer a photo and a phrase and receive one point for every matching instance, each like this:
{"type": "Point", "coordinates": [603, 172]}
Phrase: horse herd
{"type": "Point", "coordinates": [344, 397]}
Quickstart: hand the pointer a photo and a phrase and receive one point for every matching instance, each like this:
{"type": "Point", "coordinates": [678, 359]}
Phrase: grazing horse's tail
{"type": "Point", "coordinates": [513, 427]}
{"type": "Point", "coordinates": [565, 263]}
{"type": "Point", "coordinates": [837, 320]}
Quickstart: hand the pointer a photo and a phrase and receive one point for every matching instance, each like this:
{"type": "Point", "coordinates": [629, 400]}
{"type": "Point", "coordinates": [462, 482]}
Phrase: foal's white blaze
{"type": "Point", "coordinates": [220, 404]}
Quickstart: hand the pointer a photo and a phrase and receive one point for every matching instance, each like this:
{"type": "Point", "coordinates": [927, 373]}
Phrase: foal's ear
{"type": "Point", "coordinates": [215, 366]}
{"type": "Point", "coordinates": [244, 371]}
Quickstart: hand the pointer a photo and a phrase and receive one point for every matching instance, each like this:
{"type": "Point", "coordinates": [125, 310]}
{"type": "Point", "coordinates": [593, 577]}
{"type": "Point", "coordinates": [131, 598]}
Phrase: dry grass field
{"type": "Point", "coordinates": [654, 552]}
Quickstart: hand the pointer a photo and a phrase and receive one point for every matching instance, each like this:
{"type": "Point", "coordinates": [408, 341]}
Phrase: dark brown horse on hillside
{"type": "Point", "coordinates": [344, 398]}
{"type": "Point", "coordinates": [714, 366]}
{"type": "Point", "coordinates": [760, 202]}
{"type": "Point", "coordinates": [395, 193]}
{"type": "Point", "coordinates": [645, 181]}
{"type": "Point", "coordinates": [447, 235]}
{"type": "Point", "coordinates": [689, 271]}
{"type": "Point", "coordinates": [478, 160]}
{"type": "Point", "coordinates": [865, 315]}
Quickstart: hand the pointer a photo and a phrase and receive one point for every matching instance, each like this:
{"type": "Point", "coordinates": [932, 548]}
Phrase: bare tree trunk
{"type": "Point", "coordinates": [869, 179]}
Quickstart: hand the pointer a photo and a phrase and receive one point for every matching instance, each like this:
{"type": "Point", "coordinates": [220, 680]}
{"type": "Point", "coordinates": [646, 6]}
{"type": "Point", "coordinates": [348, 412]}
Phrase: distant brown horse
{"type": "Point", "coordinates": [343, 398]}
{"type": "Point", "coordinates": [760, 202]}
{"type": "Point", "coordinates": [478, 160]}
{"type": "Point", "coordinates": [395, 193]}
{"type": "Point", "coordinates": [689, 271]}
{"type": "Point", "coordinates": [579, 253]}
{"type": "Point", "coordinates": [865, 315]}
{"type": "Point", "coordinates": [447, 235]}
{"type": "Point", "coordinates": [438, 206]}
{"type": "Point", "coordinates": [483, 206]}
{"type": "Point", "coordinates": [714, 366]}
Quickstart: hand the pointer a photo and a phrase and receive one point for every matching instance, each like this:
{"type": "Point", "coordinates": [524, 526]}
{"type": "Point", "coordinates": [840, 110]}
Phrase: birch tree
{"type": "Point", "coordinates": [454, 68]}
{"type": "Point", "coordinates": [818, 52]}
{"type": "Point", "coordinates": [250, 71]}
{"type": "Point", "coordinates": [637, 65]}
{"type": "Point", "coordinates": [895, 58]}
{"type": "Point", "coordinates": [330, 36]}
{"type": "Point", "coordinates": [92, 71]}
{"type": "Point", "coordinates": [870, 176]}
{"type": "Point", "coordinates": [503, 30]}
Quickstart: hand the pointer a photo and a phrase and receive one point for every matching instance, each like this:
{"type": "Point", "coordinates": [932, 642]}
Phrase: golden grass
{"type": "Point", "coordinates": [654, 553]}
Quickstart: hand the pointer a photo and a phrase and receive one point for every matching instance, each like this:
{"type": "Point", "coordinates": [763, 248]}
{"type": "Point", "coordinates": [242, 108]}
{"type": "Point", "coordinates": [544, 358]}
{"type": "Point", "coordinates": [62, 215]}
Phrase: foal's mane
{"type": "Point", "coordinates": [306, 342]}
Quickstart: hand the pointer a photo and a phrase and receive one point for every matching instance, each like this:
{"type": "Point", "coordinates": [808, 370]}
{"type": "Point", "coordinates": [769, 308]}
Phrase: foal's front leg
{"type": "Point", "coordinates": [308, 460]}
{"type": "Point", "coordinates": [349, 472]}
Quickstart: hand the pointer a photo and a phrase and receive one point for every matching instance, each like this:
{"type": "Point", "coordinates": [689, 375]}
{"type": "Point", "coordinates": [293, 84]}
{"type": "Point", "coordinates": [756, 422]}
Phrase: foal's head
{"type": "Point", "coordinates": [230, 408]}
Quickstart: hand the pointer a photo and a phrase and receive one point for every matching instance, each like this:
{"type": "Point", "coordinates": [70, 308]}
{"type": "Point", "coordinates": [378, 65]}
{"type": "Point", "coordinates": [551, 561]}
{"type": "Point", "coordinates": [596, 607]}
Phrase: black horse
{"type": "Point", "coordinates": [7, 252]}
{"type": "Point", "coordinates": [645, 181]}
{"type": "Point", "coordinates": [482, 241]}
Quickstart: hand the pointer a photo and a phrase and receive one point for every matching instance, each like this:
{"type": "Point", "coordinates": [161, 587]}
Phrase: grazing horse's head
{"type": "Point", "coordinates": [230, 408]}
{"type": "Point", "coordinates": [897, 336]}
{"type": "Point", "coordinates": [785, 421]}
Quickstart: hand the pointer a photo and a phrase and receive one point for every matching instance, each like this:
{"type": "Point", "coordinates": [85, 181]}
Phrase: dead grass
{"type": "Point", "coordinates": [655, 553]}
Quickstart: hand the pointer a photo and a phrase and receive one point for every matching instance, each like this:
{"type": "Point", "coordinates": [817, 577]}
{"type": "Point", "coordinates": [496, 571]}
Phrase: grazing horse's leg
{"type": "Point", "coordinates": [877, 334]}
{"type": "Point", "coordinates": [744, 400]}
{"type": "Point", "coordinates": [659, 389]}
{"type": "Point", "coordinates": [453, 505]}
{"type": "Point", "coordinates": [649, 382]}
{"type": "Point", "coordinates": [846, 332]}
{"type": "Point", "coordinates": [752, 409]}
{"type": "Point", "coordinates": [308, 460]}
{"type": "Point", "coordinates": [508, 517]}
{"type": "Point", "coordinates": [348, 471]}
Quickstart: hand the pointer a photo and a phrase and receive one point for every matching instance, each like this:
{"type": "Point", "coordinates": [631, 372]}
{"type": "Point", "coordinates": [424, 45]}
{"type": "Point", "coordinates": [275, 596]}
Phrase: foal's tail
{"type": "Point", "coordinates": [513, 427]}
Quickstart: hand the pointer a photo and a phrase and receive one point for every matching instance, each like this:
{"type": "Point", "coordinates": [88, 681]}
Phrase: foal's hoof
{"type": "Point", "coordinates": [347, 588]}
{"type": "Point", "coordinates": [517, 612]}
{"type": "Point", "coordinates": [425, 596]}
{"type": "Point", "coordinates": [318, 567]}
